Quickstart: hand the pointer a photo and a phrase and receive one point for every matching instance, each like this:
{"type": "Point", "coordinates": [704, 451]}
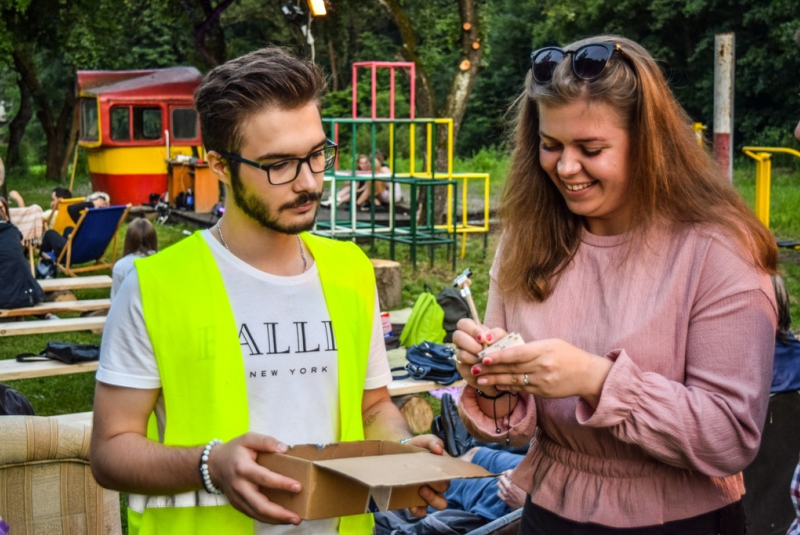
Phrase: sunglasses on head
{"type": "Point", "coordinates": [588, 61]}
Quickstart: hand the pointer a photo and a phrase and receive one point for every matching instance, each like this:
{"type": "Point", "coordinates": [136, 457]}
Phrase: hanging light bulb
{"type": "Point", "coordinates": [317, 8]}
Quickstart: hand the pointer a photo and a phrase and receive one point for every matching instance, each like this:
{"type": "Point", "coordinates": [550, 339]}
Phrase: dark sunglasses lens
{"type": "Point", "coordinates": [589, 61]}
{"type": "Point", "coordinates": [544, 63]}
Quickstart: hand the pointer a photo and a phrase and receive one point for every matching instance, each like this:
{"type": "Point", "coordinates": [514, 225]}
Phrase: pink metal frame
{"type": "Point", "coordinates": [374, 66]}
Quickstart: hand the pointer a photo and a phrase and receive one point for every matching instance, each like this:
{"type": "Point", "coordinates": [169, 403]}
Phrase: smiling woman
{"type": "Point", "coordinates": [640, 282]}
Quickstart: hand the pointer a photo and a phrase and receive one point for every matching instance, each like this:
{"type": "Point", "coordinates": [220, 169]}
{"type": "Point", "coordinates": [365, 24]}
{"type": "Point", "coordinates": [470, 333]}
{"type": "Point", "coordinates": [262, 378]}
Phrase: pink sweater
{"type": "Point", "coordinates": [690, 327]}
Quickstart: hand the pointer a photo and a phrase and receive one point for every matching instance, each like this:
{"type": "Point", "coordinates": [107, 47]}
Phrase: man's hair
{"type": "Point", "coordinates": [266, 78]}
{"type": "Point", "coordinates": [671, 176]}
{"type": "Point", "coordinates": [62, 193]}
{"type": "Point", "coordinates": [140, 238]}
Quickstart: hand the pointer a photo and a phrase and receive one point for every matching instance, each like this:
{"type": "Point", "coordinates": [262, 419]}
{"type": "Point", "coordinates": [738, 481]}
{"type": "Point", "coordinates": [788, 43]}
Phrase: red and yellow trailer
{"type": "Point", "coordinates": [132, 124]}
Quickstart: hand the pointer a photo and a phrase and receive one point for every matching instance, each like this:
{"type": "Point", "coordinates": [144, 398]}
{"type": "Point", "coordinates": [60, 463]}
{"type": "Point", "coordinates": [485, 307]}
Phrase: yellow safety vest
{"type": "Point", "coordinates": [194, 336]}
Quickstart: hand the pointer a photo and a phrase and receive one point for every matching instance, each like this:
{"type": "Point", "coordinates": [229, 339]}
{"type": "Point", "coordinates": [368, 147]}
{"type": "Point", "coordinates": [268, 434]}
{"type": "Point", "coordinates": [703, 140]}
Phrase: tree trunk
{"type": "Point", "coordinates": [332, 60]}
{"type": "Point", "coordinates": [460, 88]}
{"type": "Point", "coordinates": [16, 129]}
{"type": "Point", "coordinates": [209, 37]}
{"type": "Point", "coordinates": [416, 411]}
{"type": "Point", "coordinates": [55, 130]}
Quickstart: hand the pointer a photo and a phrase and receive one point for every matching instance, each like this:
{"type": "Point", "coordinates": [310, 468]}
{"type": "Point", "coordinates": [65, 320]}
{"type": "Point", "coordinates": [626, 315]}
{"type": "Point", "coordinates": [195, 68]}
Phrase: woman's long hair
{"type": "Point", "coordinates": [671, 176]}
{"type": "Point", "coordinates": [140, 238]}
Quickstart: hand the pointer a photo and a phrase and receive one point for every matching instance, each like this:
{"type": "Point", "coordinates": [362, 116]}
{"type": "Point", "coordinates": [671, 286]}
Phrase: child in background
{"type": "Point", "coordinates": [140, 241]}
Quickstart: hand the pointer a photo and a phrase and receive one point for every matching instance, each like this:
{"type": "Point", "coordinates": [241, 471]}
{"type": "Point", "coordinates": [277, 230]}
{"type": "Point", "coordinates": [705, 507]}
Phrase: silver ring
{"type": "Point", "coordinates": [525, 380]}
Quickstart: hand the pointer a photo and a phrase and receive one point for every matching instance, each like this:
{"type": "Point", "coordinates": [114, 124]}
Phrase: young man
{"type": "Point", "coordinates": [253, 332]}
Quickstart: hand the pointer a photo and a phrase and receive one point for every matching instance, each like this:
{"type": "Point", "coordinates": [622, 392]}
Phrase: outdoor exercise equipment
{"type": "Point", "coordinates": [763, 158]}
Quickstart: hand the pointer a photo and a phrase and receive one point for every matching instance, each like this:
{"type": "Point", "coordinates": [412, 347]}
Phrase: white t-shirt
{"type": "Point", "coordinates": [288, 350]}
{"type": "Point", "coordinates": [122, 267]}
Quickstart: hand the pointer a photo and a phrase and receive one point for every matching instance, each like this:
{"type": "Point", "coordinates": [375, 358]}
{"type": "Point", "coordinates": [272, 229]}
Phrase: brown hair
{"type": "Point", "coordinates": [266, 78]}
{"type": "Point", "coordinates": [5, 215]}
{"type": "Point", "coordinates": [671, 176]}
{"type": "Point", "coordinates": [140, 238]}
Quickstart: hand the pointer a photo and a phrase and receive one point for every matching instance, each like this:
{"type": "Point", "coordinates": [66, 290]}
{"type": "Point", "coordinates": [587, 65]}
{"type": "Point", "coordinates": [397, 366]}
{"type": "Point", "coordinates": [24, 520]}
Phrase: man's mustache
{"type": "Point", "coordinates": [304, 198]}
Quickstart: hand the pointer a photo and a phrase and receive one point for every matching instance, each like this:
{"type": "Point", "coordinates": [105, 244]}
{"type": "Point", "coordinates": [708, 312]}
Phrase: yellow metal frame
{"type": "Point", "coordinates": [763, 158]}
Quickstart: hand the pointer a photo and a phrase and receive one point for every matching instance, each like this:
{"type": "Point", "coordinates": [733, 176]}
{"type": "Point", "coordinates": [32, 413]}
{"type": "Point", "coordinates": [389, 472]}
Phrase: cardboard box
{"type": "Point", "coordinates": [350, 478]}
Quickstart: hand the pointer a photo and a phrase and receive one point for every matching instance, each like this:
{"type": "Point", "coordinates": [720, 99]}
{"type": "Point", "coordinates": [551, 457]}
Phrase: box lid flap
{"type": "Point", "coordinates": [403, 469]}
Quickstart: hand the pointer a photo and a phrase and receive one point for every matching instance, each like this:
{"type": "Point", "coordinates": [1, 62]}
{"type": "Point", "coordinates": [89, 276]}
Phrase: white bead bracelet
{"type": "Point", "coordinates": [207, 484]}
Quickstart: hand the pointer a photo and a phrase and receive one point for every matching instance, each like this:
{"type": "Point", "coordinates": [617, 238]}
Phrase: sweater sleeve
{"type": "Point", "coordinates": [712, 421]}
{"type": "Point", "coordinates": [518, 427]}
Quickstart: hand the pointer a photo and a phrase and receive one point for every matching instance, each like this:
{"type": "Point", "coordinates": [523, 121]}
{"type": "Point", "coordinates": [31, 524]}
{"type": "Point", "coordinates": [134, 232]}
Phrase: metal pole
{"type": "Point", "coordinates": [724, 61]}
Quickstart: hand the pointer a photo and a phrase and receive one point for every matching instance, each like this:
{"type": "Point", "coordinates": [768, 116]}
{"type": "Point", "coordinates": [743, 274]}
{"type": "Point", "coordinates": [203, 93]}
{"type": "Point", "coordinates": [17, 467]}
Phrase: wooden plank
{"type": "Point", "coordinates": [75, 283]}
{"type": "Point", "coordinates": [55, 307]}
{"type": "Point", "coordinates": [399, 387]}
{"type": "Point", "coordinates": [10, 369]}
{"type": "Point", "coordinates": [52, 326]}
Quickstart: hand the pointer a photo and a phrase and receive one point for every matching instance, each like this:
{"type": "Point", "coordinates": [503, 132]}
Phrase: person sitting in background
{"type": "Point", "coordinates": [49, 215]}
{"type": "Point", "coordinates": [53, 242]}
{"type": "Point", "coordinates": [18, 288]}
{"type": "Point", "coordinates": [140, 241]}
{"type": "Point", "coordinates": [384, 195]}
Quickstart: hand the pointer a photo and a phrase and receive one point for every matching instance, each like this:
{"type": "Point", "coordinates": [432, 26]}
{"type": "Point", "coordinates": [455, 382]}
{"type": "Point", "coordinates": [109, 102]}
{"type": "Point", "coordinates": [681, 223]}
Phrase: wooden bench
{"type": "Point", "coordinates": [57, 307]}
{"type": "Point", "coordinates": [52, 326]}
{"type": "Point", "coordinates": [11, 369]}
{"type": "Point", "coordinates": [75, 283]}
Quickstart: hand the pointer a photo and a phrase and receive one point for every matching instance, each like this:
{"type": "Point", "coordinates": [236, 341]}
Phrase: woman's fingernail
{"type": "Point", "coordinates": [479, 337]}
{"type": "Point", "coordinates": [489, 337]}
{"type": "Point", "coordinates": [483, 381]}
{"type": "Point", "coordinates": [487, 360]}
{"type": "Point", "coordinates": [475, 370]}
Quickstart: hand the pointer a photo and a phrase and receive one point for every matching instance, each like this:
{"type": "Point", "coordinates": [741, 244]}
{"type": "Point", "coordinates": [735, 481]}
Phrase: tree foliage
{"type": "Point", "coordinates": [43, 43]}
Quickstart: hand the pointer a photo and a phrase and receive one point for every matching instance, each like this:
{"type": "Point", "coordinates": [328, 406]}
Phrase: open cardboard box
{"type": "Point", "coordinates": [350, 478]}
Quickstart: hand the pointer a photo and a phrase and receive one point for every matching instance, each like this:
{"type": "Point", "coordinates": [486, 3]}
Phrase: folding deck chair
{"type": "Point", "coordinates": [94, 231]}
{"type": "Point", "coordinates": [60, 218]}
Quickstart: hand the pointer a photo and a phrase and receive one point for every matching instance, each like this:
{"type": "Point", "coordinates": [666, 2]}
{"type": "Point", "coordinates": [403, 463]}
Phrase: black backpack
{"type": "Point", "coordinates": [13, 403]}
{"type": "Point", "coordinates": [455, 308]}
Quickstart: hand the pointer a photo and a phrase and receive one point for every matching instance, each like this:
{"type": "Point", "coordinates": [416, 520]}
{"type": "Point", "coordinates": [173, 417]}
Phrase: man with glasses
{"type": "Point", "coordinates": [248, 336]}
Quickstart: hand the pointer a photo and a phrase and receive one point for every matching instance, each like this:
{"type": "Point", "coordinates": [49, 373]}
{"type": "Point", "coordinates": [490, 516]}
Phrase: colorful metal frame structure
{"type": "Point", "coordinates": [763, 158]}
{"type": "Point", "coordinates": [416, 179]}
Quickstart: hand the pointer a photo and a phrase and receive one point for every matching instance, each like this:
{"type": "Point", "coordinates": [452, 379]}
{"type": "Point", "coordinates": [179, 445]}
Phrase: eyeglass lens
{"type": "Point", "coordinates": [589, 61]}
{"type": "Point", "coordinates": [287, 170]}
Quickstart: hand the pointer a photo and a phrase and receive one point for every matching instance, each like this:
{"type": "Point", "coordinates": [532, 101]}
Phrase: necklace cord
{"type": "Point", "coordinates": [299, 242]}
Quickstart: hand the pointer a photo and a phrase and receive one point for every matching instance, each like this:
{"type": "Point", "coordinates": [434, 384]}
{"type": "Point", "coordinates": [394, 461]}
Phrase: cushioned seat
{"type": "Point", "coordinates": [46, 485]}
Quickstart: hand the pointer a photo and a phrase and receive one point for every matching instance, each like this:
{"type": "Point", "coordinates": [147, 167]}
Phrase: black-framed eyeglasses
{"type": "Point", "coordinates": [288, 169]}
{"type": "Point", "coordinates": [588, 61]}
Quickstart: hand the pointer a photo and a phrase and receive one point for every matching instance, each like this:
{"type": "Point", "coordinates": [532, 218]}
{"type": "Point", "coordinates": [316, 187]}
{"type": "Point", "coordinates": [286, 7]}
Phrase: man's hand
{"type": "Point", "coordinates": [433, 494]}
{"type": "Point", "coordinates": [233, 468]}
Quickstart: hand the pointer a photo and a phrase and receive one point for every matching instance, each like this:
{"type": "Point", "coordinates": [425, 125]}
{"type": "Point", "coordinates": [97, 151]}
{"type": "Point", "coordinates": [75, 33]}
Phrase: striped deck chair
{"type": "Point", "coordinates": [29, 222]}
{"type": "Point", "coordinates": [94, 231]}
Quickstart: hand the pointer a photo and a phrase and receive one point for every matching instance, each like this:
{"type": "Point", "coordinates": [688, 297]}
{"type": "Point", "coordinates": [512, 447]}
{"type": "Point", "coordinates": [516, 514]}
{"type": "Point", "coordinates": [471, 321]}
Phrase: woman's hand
{"type": "Point", "coordinates": [547, 368]}
{"type": "Point", "coordinates": [471, 338]}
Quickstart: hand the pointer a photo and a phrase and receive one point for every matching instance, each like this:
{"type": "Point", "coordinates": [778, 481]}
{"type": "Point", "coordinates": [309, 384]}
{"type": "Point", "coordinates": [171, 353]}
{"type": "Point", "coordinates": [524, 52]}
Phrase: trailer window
{"type": "Point", "coordinates": [121, 123]}
{"type": "Point", "coordinates": [146, 123]}
{"type": "Point", "coordinates": [89, 123]}
{"type": "Point", "coordinates": [184, 123]}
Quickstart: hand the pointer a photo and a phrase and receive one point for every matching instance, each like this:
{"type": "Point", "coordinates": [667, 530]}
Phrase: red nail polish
{"type": "Point", "coordinates": [475, 370]}
{"type": "Point", "coordinates": [489, 337]}
{"type": "Point", "coordinates": [480, 337]}
{"type": "Point", "coordinates": [487, 360]}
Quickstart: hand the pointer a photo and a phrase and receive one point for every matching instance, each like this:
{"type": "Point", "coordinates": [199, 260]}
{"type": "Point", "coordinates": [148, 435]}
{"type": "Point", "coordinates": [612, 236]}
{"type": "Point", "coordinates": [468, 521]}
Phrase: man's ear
{"type": "Point", "coordinates": [218, 166]}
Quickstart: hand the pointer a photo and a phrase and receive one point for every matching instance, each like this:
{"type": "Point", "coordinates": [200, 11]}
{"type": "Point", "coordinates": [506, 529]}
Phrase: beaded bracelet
{"type": "Point", "coordinates": [207, 484]}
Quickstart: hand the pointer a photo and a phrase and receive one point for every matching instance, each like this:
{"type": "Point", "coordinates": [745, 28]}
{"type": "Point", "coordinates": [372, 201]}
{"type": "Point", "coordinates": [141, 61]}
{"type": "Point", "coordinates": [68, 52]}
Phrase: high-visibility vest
{"type": "Point", "coordinates": [194, 337]}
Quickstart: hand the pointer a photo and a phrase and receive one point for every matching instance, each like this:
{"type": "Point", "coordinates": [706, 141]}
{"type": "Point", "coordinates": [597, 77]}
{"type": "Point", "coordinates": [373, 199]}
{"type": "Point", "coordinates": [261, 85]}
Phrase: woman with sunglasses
{"type": "Point", "coordinates": [640, 283]}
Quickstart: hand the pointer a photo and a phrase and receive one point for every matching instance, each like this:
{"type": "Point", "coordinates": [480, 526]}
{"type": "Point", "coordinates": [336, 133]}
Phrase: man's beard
{"type": "Point", "coordinates": [255, 208]}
